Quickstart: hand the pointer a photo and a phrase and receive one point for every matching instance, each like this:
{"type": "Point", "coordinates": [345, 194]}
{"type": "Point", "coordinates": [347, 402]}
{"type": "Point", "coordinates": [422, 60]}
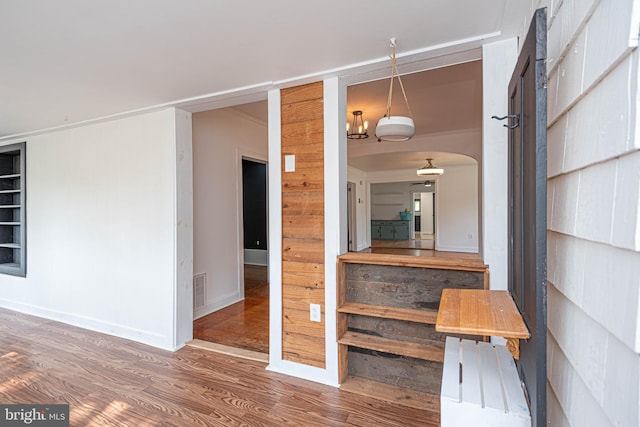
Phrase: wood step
{"type": "Point", "coordinates": [391, 393]}
{"type": "Point", "coordinates": [397, 313]}
{"type": "Point", "coordinates": [403, 348]}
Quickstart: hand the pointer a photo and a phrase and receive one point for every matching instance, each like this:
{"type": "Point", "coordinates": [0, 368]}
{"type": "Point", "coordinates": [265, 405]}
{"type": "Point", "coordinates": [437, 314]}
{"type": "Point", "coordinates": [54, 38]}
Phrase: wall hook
{"type": "Point", "coordinates": [509, 116]}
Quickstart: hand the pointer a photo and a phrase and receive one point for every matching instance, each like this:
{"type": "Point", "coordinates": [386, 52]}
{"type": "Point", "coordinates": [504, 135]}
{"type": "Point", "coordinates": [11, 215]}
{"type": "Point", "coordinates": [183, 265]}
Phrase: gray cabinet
{"type": "Point", "coordinates": [390, 230]}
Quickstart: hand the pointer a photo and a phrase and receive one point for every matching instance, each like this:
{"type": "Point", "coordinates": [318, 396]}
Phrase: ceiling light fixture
{"type": "Point", "coordinates": [358, 129]}
{"type": "Point", "coordinates": [395, 128]}
{"type": "Point", "coordinates": [429, 169]}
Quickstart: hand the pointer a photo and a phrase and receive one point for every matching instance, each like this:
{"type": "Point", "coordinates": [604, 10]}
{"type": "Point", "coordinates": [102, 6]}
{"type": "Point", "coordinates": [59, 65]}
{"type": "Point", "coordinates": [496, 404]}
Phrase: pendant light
{"type": "Point", "coordinates": [429, 169]}
{"type": "Point", "coordinates": [395, 128]}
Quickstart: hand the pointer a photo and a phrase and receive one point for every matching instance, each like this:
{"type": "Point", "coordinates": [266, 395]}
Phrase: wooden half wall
{"type": "Point", "coordinates": [303, 281]}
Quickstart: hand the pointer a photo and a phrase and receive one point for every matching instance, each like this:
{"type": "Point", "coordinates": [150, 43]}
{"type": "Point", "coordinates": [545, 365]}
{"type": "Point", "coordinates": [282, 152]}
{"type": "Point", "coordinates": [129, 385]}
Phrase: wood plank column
{"type": "Point", "coordinates": [303, 251]}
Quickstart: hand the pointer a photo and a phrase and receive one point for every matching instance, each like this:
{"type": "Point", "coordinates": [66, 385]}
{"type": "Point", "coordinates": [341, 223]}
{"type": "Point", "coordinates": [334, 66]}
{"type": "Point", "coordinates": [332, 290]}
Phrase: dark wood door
{"type": "Point", "coordinates": [528, 208]}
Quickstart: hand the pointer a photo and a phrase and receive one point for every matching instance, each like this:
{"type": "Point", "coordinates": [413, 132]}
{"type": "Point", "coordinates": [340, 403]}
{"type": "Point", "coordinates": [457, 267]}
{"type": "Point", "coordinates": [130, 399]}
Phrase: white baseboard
{"type": "Point", "coordinates": [153, 339]}
{"type": "Point", "coordinates": [467, 249]}
{"type": "Point", "coordinates": [217, 304]}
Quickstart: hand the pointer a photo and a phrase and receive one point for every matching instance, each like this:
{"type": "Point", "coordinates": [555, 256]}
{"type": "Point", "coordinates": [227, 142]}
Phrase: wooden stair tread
{"type": "Point", "coordinates": [403, 348]}
{"type": "Point", "coordinates": [441, 262]}
{"type": "Point", "coordinates": [391, 393]}
{"type": "Point", "coordinates": [397, 313]}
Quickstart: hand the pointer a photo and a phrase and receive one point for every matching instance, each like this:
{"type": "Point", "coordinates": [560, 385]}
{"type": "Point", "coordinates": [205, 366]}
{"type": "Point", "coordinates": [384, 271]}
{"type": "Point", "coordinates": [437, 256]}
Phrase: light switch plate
{"type": "Point", "coordinates": [315, 314]}
{"type": "Point", "coordinates": [290, 163]}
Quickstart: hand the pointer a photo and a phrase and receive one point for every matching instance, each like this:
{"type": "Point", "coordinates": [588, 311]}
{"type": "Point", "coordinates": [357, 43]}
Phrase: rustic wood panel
{"type": "Point", "coordinates": [303, 111]}
{"type": "Point", "coordinates": [303, 203]}
{"type": "Point", "coordinates": [444, 261]}
{"type": "Point", "coordinates": [397, 329]}
{"type": "Point", "coordinates": [303, 274]}
{"type": "Point", "coordinates": [392, 346]}
{"type": "Point", "coordinates": [303, 250]}
{"type": "Point", "coordinates": [299, 297]}
{"type": "Point", "coordinates": [302, 93]}
{"type": "Point", "coordinates": [406, 287]}
{"type": "Point", "coordinates": [303, 348]}
{"type": "Point", "coordinates": [386, 312]}
{"type": "Point", "coordinates": [393, 394]}
{"type": "Point", "coordinates": [415, 374]}
{"type": "Point", "coordinates": [310, 226]}
{"type": "Point", "coordinates": [302, 134]}
{"type": "Point", "coordinates": [303, 180]}
{"type": "Point", "coordinates": [310, 155]}
{"type": "Point", "coordinates": [298, 322]}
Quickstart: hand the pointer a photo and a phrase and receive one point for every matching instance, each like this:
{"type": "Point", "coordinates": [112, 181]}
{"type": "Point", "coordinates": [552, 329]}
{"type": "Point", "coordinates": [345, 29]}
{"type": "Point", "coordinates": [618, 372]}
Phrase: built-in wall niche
{"type": "Point", "coordinates": [12, 210]}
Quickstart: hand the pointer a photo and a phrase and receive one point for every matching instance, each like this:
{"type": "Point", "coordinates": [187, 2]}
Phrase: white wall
{"type": "Point", "coordinates": [101, 228]}
{"type": "Point", "coordinates": [593, 214]}
{"type": "Point", "coordinates": [498, 62]}
{"type": "Point", "coordinates": [457, 209]}
{"type": "Point", "coordinates": [220, 139]}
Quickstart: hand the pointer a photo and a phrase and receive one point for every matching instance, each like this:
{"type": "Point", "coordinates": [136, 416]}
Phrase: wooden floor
{"type": "Point", "coordinates": [111, 381]}
{"type": "Point", "coordinates": [245, 324]}
{"type": "Point", "coordinates": [397, 248]}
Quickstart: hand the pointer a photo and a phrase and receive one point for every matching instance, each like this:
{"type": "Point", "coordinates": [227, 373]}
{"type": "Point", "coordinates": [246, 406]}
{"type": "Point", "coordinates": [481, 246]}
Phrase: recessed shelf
{"type": "Point", "coordinates": [12, 209]}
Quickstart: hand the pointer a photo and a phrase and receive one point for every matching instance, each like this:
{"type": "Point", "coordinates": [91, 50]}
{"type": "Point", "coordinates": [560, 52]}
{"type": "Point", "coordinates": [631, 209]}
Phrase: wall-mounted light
{"type": "Point", "coordinates": [358, 128]}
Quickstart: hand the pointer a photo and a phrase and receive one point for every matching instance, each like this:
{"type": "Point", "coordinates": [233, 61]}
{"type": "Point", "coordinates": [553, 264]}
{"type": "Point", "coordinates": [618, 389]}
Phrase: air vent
{"type": "Point", "coordinates": [199, 288]}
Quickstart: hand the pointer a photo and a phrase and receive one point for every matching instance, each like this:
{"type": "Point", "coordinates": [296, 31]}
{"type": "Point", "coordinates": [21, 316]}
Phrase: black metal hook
{"type": "Point", "coordinates": [509, 116]}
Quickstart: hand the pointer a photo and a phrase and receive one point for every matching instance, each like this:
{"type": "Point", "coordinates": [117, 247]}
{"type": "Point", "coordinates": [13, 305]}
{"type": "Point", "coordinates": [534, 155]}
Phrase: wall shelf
{"type": "Point", "coordinates": [387, 309]}
{"type": "Point", "coordinates": [12, 210]}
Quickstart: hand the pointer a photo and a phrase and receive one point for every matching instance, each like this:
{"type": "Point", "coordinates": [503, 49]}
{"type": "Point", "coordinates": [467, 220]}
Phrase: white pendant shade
{"type": "Point", "coordinates": [395, 128]}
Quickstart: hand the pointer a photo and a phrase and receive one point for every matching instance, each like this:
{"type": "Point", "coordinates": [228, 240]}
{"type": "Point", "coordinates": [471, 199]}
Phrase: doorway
{"type": "Point", "coordinates": [424, 217]}
{"type": "Point", "coordinates": [230, 229]}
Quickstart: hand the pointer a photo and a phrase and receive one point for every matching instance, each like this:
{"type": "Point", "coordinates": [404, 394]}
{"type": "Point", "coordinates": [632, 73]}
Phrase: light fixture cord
{"type": "Point", "coordinates": [394, 69]}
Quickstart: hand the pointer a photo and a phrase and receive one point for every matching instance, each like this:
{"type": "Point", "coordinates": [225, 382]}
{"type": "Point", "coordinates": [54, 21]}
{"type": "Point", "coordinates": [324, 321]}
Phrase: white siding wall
{"type": "Point", "coordinates": [593, 213]}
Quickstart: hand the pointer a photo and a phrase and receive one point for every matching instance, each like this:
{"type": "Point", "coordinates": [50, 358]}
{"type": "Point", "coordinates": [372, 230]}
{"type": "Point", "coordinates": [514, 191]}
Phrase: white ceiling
{"type": "Point", "coordinates": [69, 61]}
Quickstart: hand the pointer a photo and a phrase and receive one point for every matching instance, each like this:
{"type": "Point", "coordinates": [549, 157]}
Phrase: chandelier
{"type": "Point", "coordinates": [358, 128]}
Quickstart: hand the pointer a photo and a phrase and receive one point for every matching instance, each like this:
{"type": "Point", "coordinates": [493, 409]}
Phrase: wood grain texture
{"type": "Point", "coordinates": [306, 274]}
{"type": "Point", "coordinates": [302, 93]}
{"type": "Point", "coordinates": [422, 316]}
{"type": "Point", "coordinates": [245, 324]}
{"type": "Point", "coordinates": [304, 179]}
{"type": "Point", "coordinates": [111, 381]}
{"type": "Point", "coordinates": [480, 312]}
{"type": "Point", "coordinates": [302, 134]}
{"type": "Point", "coordinates": [433, 352]}
{"type": "Point", "coordinates": [443, 260]}
{"type": "Point", "coordinates": [391, 393]}
{"type": "Point", "coordinates": [302, 111]}
{"type": "Point", "coordinates": [387, 368]}
{"type": "Point", "coordinates": [405, 287]}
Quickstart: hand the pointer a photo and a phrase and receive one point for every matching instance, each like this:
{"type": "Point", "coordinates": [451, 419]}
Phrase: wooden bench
{"type": "Point", "coordinates": [481, 387]}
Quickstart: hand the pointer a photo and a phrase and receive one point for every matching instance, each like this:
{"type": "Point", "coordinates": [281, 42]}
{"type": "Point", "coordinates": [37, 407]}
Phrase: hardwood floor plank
{"type": "Point", "coordinates": [111, 381]}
